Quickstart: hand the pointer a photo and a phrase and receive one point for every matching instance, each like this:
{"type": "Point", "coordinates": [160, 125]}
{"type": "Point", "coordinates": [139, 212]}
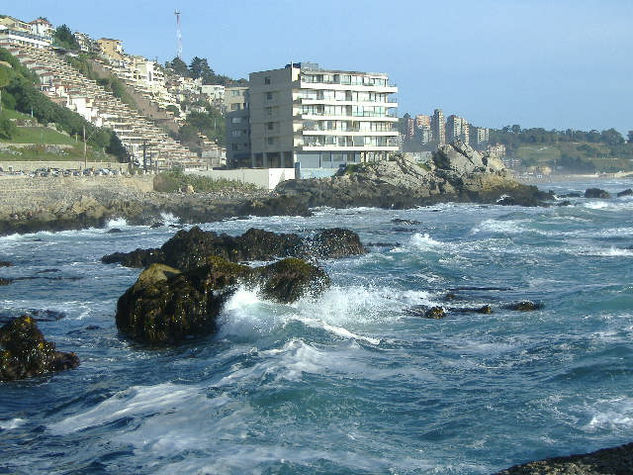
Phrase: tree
{"type": "Point", "coordinates": [630, 136]}
{"type": "Point", "coordinates": [611, 137]}
{"type": "Point", "coordinates": [199, 68]}
{"type": "Point", "coordinates": [64, 38]}
{"type": "Point", "coordinates": [178, 66]}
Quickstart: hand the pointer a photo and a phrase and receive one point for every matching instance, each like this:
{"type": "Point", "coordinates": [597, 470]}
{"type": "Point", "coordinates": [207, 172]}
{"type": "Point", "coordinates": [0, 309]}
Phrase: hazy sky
{"type": "Point", "coordinates": [538, 63]}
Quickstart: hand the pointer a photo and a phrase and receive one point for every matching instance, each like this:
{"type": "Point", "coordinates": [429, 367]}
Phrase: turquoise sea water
{"type": "Point", "coordinates": [352, 382]}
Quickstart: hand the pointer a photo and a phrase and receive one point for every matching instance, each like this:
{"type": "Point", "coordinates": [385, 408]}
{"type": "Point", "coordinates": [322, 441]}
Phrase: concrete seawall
{"type": "Point", "coordinates": [18, 193]}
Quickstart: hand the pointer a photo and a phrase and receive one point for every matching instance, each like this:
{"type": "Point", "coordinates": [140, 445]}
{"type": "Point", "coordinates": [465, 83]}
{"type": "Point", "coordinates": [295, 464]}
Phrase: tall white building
{"type": "Point", "coordinates": [320, 118]}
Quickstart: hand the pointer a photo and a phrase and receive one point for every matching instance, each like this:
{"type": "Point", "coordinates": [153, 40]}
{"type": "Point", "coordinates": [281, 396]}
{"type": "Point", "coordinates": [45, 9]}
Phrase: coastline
{"type": "Point", "coordinates": [533, 180]}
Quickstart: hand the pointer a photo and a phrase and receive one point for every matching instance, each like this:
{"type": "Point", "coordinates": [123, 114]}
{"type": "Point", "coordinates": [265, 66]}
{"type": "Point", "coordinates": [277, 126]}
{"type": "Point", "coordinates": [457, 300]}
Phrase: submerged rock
{"type": "Point", "coordinates": [5, 264]}
{"type": "Point", "coordinates": [435, 312]}
{"type": "Point", "coordinates": [525, 306]}
{"type": "Point", "coordinates": [596, 193]}
{"type": "Point", "coordinates": [24, 352]}
{"type": "Point", "coordinates": [167, 306]}
{"type": "Point", "coordinates": [190, 249]}
{"type": "Point", "coordinates": [4, 281]}
{"type": "Point", "coordinates": [627, 192]}
{"type": "Point", "coordinates": [617, 460]}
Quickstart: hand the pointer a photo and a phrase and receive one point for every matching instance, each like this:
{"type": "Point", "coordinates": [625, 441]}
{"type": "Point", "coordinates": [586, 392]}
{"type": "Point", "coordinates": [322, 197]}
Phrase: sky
{"type": "Point", "coordinates": [555, 64]}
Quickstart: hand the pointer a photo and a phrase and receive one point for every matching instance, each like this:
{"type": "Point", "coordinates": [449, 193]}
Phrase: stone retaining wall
{"type": "Point", "coordinates": [18, 193]}
{"type": "Point", "coordinates": [30, 165]}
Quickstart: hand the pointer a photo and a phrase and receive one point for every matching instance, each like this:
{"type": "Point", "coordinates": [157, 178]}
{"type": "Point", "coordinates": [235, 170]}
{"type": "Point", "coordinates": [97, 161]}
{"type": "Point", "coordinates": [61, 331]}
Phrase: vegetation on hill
{"type": "Point", "coordinates": [21, 93]}
{"type": "Point", "coordinates": [571, 151]}
{"type": "Point", "coordinates": [64, 38]}
{"type": "Point", "coordinates": [199, 68]}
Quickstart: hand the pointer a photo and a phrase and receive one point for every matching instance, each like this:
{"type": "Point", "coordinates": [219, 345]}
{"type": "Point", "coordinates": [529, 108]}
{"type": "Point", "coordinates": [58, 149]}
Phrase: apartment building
{"type": "Point", "coordinates": [320, 118]}
{"type": "Point", "coordinates": [438, 127]}
{"type": "Point", "coordinates": [14, 32]}
{"type": "Point", "coordinates": [238, 130]}
{"type": "Point", "coordinates": [457, 128]}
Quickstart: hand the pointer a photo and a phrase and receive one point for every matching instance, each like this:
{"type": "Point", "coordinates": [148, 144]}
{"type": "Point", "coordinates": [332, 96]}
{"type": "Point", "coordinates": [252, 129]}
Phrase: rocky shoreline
{"type": "Point", "coordinates": [457, 173]}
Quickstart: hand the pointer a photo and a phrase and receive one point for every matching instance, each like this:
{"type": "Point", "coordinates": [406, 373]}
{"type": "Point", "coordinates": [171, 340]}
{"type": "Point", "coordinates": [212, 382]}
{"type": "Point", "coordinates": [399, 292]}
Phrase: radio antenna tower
{"type": "Point", "coordinates": [178, 35]}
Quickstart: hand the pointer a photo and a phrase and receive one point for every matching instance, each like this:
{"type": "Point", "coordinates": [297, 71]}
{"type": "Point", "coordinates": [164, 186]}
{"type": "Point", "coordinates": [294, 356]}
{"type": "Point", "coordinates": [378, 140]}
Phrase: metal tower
{"type": "Point", "coordinates": [178, 35]}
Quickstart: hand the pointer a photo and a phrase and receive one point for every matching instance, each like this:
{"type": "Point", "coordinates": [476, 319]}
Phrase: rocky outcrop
{"type": "Point", "coordinates": [24, 352]}
{"type": "Point", "coordinates": [169, 306]}
{"type": "Point", "coordinates": [189, 249]}
{"type": "Point", "coordinates": [627, 192]}
{"type": "Point", "coordinates": [597, 193]}
{"type": "Point", "coordinates": [617, 460]}
{"type": "Point", "coordinates": [525, 306]}
{"type": "Point", "coordinates": [456, 173]}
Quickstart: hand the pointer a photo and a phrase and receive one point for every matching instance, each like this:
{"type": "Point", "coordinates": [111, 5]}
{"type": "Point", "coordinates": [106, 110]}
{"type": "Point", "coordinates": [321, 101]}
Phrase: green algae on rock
{"type": "Point", "coordinates": [25, 353]}
{"type": "Point", "coordinates": [167, 306]}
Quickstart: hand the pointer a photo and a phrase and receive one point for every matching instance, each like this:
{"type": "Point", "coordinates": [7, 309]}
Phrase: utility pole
{"type": "Point", "coordinates": [85, 155]}
{"type": "Point", "coordinates": [145, 155]}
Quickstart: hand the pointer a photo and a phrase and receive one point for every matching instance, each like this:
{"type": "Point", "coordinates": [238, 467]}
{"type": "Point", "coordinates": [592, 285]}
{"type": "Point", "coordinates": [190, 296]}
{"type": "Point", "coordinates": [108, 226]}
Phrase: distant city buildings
{"type": "Point", "coordinates": [429, 132]}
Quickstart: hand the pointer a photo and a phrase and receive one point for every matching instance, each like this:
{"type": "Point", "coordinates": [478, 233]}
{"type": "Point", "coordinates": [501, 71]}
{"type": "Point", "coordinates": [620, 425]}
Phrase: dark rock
{"type": "Point", "coordinates": [5, 264]}
{"type": "Point", "coordinates": [596, 193]}
{"type": "Point", "coordinates": [157, 224]}
{"type": "Point", "coordinates": [167, 306]}
{"type": "Point", "coordinates": [24, 352]}
{"type": "Point", "coordinates": [336, 243]}
{"type": "Point", "coordinates": [450, 296]}
{"type": "Point", "coordinates": [573, 194]}
{"type": "Point", "coordinates": [114, 230]}
{"type": "Point", "coordinates": [627, 192]}
{"type": "Point", "coordinates": [485, 309]}
{"type": "Point", "coordinates": [190, 249]}
{"type": "Point", "coordinates": [616, 461]}
{"type": "Point", "coordinates": [289, 279]}
{"type": "Point", "coordinates": [435, 313]}
{"type": "Point", "coordinates": [564, 203]}
{"type": "Point", "coordinates": [405, 222]}
{"type": "Point", "coordinates": [138, 258]}
{"type": "Point", "coordinates": [525, 306]}
{"type": "Point", "coordinates": [4, 281]}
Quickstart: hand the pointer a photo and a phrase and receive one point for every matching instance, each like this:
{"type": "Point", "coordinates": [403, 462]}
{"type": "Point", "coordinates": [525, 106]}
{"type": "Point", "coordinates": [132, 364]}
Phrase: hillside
{"type": "Point", "coordinates": [569, 151]}
{"type": "Point", "coordinates": [33, 127]}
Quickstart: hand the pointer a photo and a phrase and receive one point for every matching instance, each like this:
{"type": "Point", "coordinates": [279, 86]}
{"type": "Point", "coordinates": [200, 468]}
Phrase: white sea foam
{"type": "Point", "coordinates": [169, 218]}
{"type": "Point", "coordinates": [512, 226]}
{"type": "Point", "coordinates": [137, 401]}
{"type": "Point", "coordinates": [611, 414]}
{"type": "Point", "coordinates": [116, 223]}
{"type": "Point", "coordinates": [12, 424]}
{"type": "Point", "coordinates": [424, 242]}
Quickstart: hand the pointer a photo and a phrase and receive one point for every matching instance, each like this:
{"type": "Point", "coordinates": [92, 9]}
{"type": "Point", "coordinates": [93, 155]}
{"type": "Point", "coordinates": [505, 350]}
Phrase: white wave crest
{"type": "Point", "coordinates": [137, 401]}
{"type": "Point", "coordinates": [116, 223]}
{"type": "Point", "coordinates": [501, 227]}
{"type": "Point", "coordinates": [611, 414]}
{"type": "Point", "coordinates": [424, 242]}
{"type": "Point", "coordinates": [12, 424]}
{"type": "Point", "coordinates": [169, 218]}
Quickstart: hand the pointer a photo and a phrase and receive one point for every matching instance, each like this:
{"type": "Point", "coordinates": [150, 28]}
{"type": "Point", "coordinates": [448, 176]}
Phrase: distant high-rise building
{"type": "Point", "coordinates": [437, 127]}
{"type": "Point", "coordinates": [479, 136]}
{"type": "Point", "coordinates": [422, 120]}
{"type": "Point", "coordinates": [424, 134]}
{"type": "Point", "coordinates": [457, 128]}
{"type": "Point", "coordinates": [409, 127]}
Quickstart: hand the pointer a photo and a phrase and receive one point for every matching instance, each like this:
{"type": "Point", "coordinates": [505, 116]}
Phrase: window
{"type": "Point", "coordinates": [270, 140]}
{"type": "Point", "coordinates": [270, 125]}
{"type": "Point", "coordinates": [235, 107]}
{"type": "Point", "coordinates": [269, 96]}
{"type": "Point", "coordinates": [236, 120]}
{"type": "Point", "coordinates": [236, 133]}
{"type": "Point", "coordinates": [267, 80]}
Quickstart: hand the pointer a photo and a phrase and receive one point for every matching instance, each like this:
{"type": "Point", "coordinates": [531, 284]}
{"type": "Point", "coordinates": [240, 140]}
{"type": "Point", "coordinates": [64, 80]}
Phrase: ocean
{"type": "Point", "coordinates": [355, 381]}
